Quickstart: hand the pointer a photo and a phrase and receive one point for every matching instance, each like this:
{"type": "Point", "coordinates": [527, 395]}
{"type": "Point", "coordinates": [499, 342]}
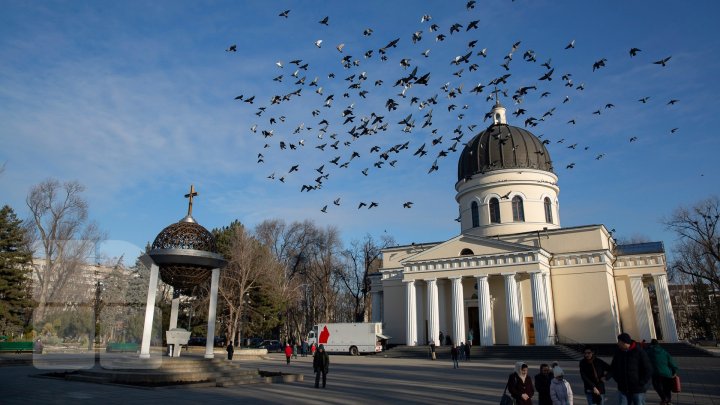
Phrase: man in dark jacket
{"type": "Point", "coordinates": [542, 384]}
{"type": "Point", "coordinates": [593, 371]}
{"type": "Point", "coordinates": [321, 363]}
{"type": "Point", "coordinates": [632, 370]}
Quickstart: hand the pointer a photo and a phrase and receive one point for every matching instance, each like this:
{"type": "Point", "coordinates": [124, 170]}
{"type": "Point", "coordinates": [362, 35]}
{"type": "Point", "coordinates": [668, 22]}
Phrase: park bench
{"type": "Point", "coordinates": [17, 347]}
{"type": "Point", "coordinates": [122, 347]}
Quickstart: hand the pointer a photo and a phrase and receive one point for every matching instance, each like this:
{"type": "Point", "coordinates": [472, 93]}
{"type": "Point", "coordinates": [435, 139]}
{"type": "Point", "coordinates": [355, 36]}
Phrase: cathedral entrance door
{"type": "Point", "coordinates": [474, 324]}
{"type": "Point", "coordinates": [530, 330]}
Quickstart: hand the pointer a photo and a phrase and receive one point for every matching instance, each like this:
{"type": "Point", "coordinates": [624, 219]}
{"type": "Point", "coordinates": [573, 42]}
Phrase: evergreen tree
{"type": "Point", "coordinates": [15, 279]}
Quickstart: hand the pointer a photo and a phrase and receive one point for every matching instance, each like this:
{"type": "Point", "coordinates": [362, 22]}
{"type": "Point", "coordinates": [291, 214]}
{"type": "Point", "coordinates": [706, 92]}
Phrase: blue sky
{"type": "Point", "coordinates": [136, 100]}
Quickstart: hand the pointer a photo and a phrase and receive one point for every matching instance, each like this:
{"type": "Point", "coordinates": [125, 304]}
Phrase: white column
{"type": "Point", "coordinates": [540, 312]}
{"type": "Point", "coordinates": [410, 313]}
{"type": "Point", "coordinates": [515, 335]}
{"type": "Point", "coordinates": [484, 311]}
{"type": "Point", "coordinates": [458, 308]}
{"type": "Point", "coordinates": [174, 309]}
{"type": "Point", "coordinates": [650, 318]}
{"type": "Point", "coordinates": [149, 312]}
{"type": "Point", "coordinates": [641, 305]}
{"type": "Point", "coordinates": [212, 314]}
{"type": "Point", "coordinates": [377, 306]}
{"type": "Point", "coordinates": [550, 307]}
{"type": "Point", "coordinates": [442, 309]}
{"type": "Point", "coordinates": [667, 317]}
{"type": "Point", "coordinates": [433, 312]}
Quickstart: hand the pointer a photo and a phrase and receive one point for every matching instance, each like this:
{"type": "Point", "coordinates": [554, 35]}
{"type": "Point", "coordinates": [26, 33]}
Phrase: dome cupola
{"type": "Point", "coordinates": [506, 182]}
{"type": "Point", "coordinates": [186, 252]}
{"type": "Point", "coordinates": [502, 146]}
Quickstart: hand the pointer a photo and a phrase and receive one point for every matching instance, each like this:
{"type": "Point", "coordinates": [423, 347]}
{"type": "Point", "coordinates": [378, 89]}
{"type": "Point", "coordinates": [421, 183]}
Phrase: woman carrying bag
{"type": "Point", "coordinates": [664, 371]}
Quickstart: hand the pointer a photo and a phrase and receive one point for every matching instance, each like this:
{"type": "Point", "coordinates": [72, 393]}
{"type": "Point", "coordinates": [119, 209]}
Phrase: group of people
{"type": "Point", "coordinates": [461, 352]}
{"type": "Point", "coordinates": [632, 367]}
{"type": "Point", "coordinates": [321, 361]}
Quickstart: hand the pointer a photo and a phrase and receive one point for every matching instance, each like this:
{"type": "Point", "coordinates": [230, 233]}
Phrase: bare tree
{"type": "Point", "coordinates": [251, 265]}
{"type": "Point", "coordinates": [311, 259]}
{"type": "Point", "coordinates": [65, 238]}
{"type": "Point", "coordinates": [362, 259]}
{"type": "Point", "coordinates": [697, 252]}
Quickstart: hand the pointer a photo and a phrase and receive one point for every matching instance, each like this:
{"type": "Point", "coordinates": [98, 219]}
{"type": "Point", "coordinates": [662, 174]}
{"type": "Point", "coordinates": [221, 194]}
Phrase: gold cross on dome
{"type": "Point", "coordinates": [496, 91]}
{"type": "Point", "coordinates": [190, 196]}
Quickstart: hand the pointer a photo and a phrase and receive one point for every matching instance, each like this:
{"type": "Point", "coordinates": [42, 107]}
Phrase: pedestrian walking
{"type": "Point", "coordinates": [560, 390]}
{"type": "Point", "coordinates": [442, 339]}
{"type": "Point", "coordinates": [664, 371]}
{"type": "Point", "coordinates": [468, 345]}
{"type": "Point", "coordinates": [594, 372]}
{"type": "Point", "coordinates": [304, 349]}
{"type": "Point", "coordinates": [321, 365]}
{"type": "Point", "coordinates": [313, 349]}
{"type": "Point", "coordinates": [461, 351]}
{"type": "Point", "coordinates": [432, 349]}
{"type": "Point", "coordinates": [288, 352]}
{"type": "Point", "coordinates": [230, 350]}
{"type": "Point", "coordinates": [543, 379]}
{"type": "Point", "coordinates": [520, 385]}
{"type": "Point", "coordinates": [294, 351]}
{"type": "Point", "coordinates": [632, 370]}
{"type": "Point", "coordinates": [454, 356]}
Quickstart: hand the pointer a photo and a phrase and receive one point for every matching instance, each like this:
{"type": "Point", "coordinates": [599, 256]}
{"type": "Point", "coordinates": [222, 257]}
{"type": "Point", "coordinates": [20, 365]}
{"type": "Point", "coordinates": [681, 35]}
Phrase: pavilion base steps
{"type": "Point", "coordinates": [180, 371]}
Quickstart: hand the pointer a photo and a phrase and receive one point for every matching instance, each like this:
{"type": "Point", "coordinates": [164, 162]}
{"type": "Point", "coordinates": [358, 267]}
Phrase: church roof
{"type": "Point", "coordinates": [503, 146]}
{"type": "Point", "coordinates": [639, 248]}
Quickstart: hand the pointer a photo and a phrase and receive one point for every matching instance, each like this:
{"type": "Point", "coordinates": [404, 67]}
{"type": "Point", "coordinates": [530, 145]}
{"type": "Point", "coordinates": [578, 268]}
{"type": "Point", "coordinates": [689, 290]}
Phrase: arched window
{"type": "Point", "coordinates": [518, 211]}
{"type": "Point", "coordinates": [466, 252]}
{"type": "Point", "coordinates": [475, 214]}
{"type": "Point", "coordinates": [548, 210]}
{"type": "Point", "coordinates": [494, 211]}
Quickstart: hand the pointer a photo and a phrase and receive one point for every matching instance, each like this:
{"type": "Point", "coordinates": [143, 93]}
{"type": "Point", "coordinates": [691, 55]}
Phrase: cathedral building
{"type": "Point", "coordinates": [514, 276]}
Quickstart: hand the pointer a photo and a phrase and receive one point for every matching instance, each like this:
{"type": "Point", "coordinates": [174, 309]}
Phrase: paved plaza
{"type": "Point", "coordinates": [351, 380]}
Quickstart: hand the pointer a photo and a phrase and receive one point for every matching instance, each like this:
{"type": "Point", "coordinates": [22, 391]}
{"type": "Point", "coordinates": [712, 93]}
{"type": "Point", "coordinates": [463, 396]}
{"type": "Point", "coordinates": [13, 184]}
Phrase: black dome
{"type": "Point", "coordinates": [503, 146]}
{"type": "Point", "coordinates": [186, 253]}
{"type": "Point", "coordinates": [185, 235]}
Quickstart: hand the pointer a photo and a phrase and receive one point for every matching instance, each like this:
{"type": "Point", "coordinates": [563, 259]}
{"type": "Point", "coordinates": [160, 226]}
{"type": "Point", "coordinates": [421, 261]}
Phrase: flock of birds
{"type": "Point", "coordinates": [356, 102]}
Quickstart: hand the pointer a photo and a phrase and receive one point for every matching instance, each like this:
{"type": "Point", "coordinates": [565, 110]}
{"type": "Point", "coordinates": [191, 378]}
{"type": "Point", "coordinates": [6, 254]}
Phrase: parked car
{"type": "Point", "coordinates": [201, 340]}
{"type": "Point", "coordinates": [252, 342]}
{"type": "Point", "coordinates": [271, 346]}
{"type": "Point", "coordinates": [197, 341]}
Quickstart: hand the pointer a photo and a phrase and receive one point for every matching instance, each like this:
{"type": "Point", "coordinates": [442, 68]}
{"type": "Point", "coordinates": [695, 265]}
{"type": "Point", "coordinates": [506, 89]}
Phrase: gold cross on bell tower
{"type": "Point", "coordinates": [190, 196]}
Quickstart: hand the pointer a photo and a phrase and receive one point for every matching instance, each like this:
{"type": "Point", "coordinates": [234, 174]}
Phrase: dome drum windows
{"type": "Point", "coordinates": [494, 206]}
{"type": "Point", "coordinates": [517, 209]}
{"type": "Point", "coordinates": [548, 210]}
{"type": "Point", "coordinates": [475, 213]}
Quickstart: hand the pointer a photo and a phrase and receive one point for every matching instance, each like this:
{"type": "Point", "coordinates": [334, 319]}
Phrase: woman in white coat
{"type": "Point", "coordinates": [560, 391]}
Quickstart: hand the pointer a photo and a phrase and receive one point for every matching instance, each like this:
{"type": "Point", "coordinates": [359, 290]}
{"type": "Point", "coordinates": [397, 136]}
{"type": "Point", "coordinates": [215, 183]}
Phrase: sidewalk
{"type": "Point", "coordinates": [351, 380]}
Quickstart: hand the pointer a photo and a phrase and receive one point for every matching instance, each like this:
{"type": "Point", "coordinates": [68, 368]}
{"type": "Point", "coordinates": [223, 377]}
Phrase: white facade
{"type": "Point", "coordinates": [514, 276]}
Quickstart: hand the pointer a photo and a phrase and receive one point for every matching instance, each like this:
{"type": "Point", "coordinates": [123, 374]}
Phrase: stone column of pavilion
{"type": "Point", "coordinates": [514, 320]}
{"type": "Point", "coordinates": [433, 312]}
{"type": "Point", "coordinates": [184, 255]}
{"type": "Point", "coordinates": [410, 313]}
{"type": "Point", "coordinates": [641, 304]}
{"type": "Point", "coordinates": [667, 318]}
{"type": "Point", "coordinates": [485, 311]}
{"type": "Point", "coordinates": [458, 311]}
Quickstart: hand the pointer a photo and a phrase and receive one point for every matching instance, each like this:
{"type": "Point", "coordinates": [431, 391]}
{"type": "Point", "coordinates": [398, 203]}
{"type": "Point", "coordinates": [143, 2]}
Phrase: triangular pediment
{"type": "Point", "coordinates": [479, 246]}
